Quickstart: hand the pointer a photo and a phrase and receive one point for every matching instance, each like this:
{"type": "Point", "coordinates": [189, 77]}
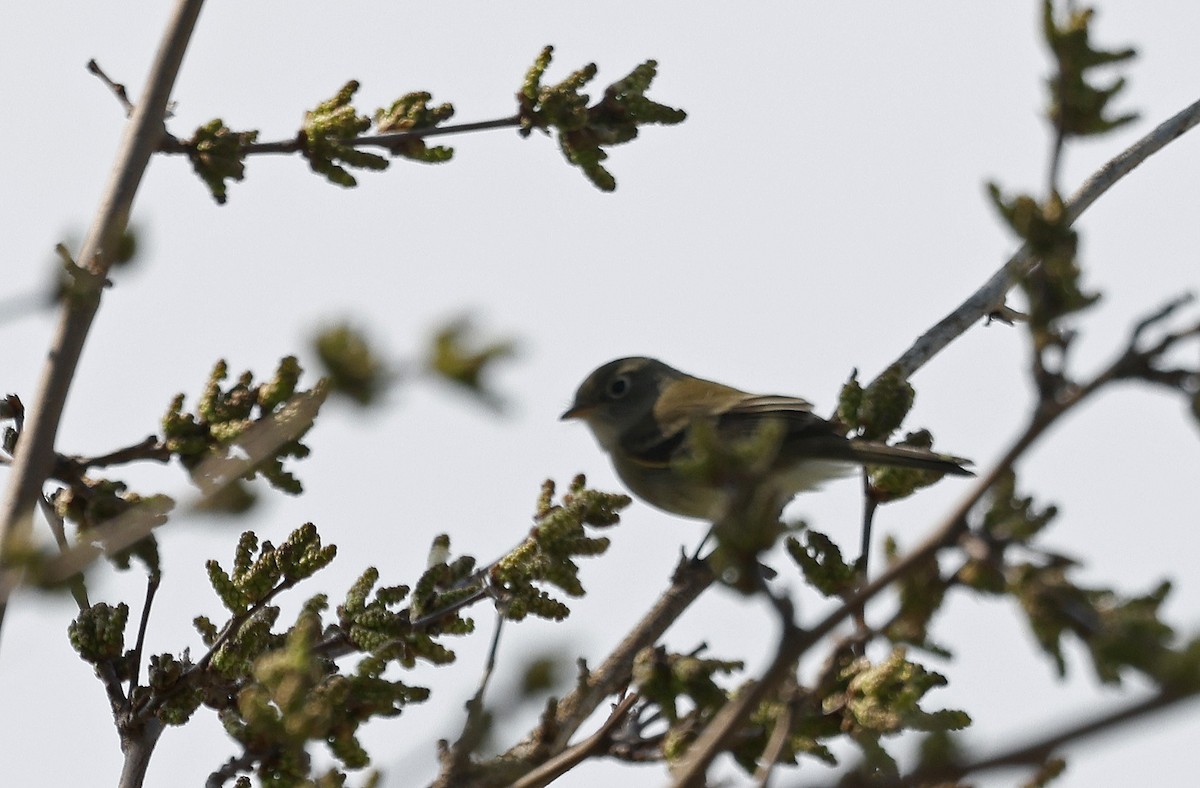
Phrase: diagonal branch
{"type": "Point", "coordinates": [145, 130]}
{"type": "Point", "coordinates": [559, 765]}
{"type": "Point", "coordinates": [691, 579]}
{"type": "Point", "coordinates": [990, 297]}
{"type": "Point", "coordinates": [1037, 752]}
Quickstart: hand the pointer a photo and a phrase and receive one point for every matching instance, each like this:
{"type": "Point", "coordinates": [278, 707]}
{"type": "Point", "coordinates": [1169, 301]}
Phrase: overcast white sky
{"type": "Point", "coordinates": [822, 206]}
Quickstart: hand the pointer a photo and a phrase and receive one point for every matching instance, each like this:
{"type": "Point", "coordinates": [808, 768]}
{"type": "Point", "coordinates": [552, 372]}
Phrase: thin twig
{"type": "Point", "coordinates": [1057, 149]}
{"type": "Point", "coordinates": [870, 506]}
{"type": "Point", "coordinates": [456, 758]}
{"type": "Point", "coordinates": [388, 140]}
{"type": "Point", "coordinates": [692, 770]}
{"type": "Point", "coordinates": [116, 87]}
{"type": "Point", "coordinates": [149, 449]}
{"type": "Point", "coordinates": [231, 768]}
{"type": "Point", "coordinates": [59, 528]}
{"type": "Point", "coordinates": [773, 752]}
{"type": "Point", "coordinates": [1167, 309]}
{"type": "Point", "coordinates": [152, 581]}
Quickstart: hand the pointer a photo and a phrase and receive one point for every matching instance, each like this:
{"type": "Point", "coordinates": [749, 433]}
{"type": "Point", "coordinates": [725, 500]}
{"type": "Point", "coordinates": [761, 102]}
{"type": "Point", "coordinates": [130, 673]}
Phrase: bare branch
{"type": "Point", "coordinates": [1037, 752]}
{"type": "Point", "coordinates": [152, 582]}
{"type": "Point", "coordinates": [556, 767]}
{"type": "Point", "coordinates": [712, 741]}
{"type": "Point", "coordinates": [149, 449]}
{"type": "Point", "coordinates": [690, 581]}
{"type": "Point", "coordinates": [779, 737]}
{"type": "Point", "coordinates": [35, 453]}
{"type": "Point", "coordinates": [456, 758]}
{"type": "Point", "coordinates": [116, 87]}
{"type": "Point", "coordinates": [989, 299]}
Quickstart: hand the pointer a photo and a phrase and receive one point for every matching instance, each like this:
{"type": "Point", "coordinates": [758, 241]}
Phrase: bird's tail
{"type": "Point", "coordinates": [869, 453]}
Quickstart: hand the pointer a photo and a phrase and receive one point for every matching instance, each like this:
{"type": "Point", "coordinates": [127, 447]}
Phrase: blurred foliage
{"type": "Point", "coordinates": [669, 680]}
{"type": "Point", "coordinates": [878, 410]}
{"type": "Point", "coordinates": [209, 440]}
{"type": "Point", "coordinates": [234, 498]}
{"type": "Point", "coordinates": [890, 483]}
{"type": "Point", "coordinates": [750, 524]}
{"type": "Point", "coordinates": [921, 593]}
{"type": "Point", "coordinates": [1078, 107]}
{"type": "Point", "coordinates": [863, 700]}
{"type": "Point", "coordinates": [297, 697]}
{"type": "Point", "coordinates": [455, 356]}
{"type": "Point", "coordinates": [1119, 632]}
{"type": "Point", "coordinates": [820, 559]}
{"type": "Point", "coordinates": [542, 674]}
{"type": "Point", "coordinates": [352, 366]}
{"type": "Point", "coordinates": [878, 700]}
{"type": "Point", "coordinates": [89, 503]}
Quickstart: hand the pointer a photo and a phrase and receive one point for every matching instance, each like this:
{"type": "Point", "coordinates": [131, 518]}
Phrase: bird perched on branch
{"type": "Point", "coordinates": [646, 415]}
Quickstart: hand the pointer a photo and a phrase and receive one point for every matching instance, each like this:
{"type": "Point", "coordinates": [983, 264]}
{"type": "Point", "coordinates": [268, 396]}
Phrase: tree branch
{"type": "Point", "coordinates": [388, 140]}
{"type": "Point", "coordinates": [990, 297]}
{"type": "Point", "coordinates": [568, 759]}
{"type": "Point", "coordinates": [35, 453]}
{"type": "Point", "coordinates": [1036, 752]}
{"type": "Point", "coordinates": [690, 580]}
{"type": "Point", "coordinates": [117, 88]}
{"type": "Point", "coordinates": [136, 658]}
{"type": "Point", "coordinates": [138, 746]}
{"type": "Point", "coordinates": [456, 758]}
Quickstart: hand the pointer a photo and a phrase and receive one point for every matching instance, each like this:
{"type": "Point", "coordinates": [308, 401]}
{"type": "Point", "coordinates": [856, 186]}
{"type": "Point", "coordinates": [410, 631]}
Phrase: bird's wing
{"type": "Point", "coordinates": [799, 422]}
{"type": "Point", "coordinates": [741, 416]}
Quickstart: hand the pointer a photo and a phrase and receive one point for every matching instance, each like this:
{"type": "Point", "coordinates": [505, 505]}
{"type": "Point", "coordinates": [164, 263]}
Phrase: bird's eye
{"type": "Point", "coordinates": [618, 387]}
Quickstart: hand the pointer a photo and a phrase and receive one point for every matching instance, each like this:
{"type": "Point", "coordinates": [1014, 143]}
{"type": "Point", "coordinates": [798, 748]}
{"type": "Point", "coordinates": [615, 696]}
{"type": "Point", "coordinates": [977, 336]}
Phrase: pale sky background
{"type": "Point", "coordinates": [823, 204]}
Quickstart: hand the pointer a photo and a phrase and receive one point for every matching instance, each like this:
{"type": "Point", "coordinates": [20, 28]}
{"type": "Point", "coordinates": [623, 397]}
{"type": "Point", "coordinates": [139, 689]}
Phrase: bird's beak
{"type": "Point", "coordinates": [576, 411]}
